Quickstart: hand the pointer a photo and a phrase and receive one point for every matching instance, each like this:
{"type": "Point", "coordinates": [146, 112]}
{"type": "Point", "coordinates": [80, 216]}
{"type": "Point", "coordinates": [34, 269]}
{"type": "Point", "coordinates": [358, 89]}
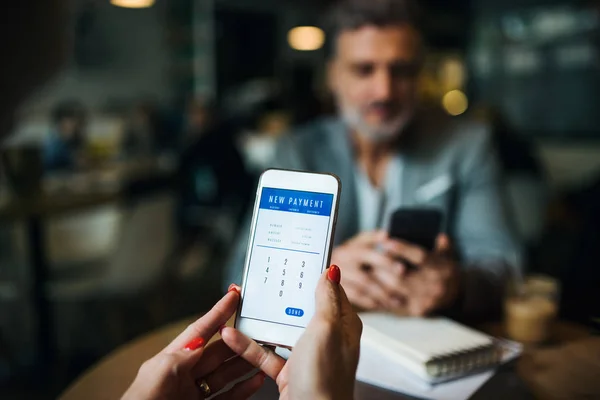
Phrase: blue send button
{"type": "Point", "coordinates": [294, 312]}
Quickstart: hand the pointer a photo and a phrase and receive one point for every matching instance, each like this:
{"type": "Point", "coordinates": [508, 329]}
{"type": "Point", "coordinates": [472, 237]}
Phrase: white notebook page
{"type": "Point", "coordinates": [424, 338]}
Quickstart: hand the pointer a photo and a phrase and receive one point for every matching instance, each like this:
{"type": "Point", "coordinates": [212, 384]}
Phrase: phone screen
{"type": "Point", "coordinates": [287, 256]}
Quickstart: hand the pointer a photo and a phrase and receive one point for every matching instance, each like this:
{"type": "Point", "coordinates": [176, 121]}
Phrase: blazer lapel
{"type": "Point", "coordinates": [409, 181]}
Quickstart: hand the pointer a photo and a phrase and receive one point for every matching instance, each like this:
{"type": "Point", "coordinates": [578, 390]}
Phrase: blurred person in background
{"type": "Point", "coordinates": [389, 153]}
{"type": "Point", "coordinates": [143, 131]}
{"type": "Point", "coordinates": [64, 145]}
{"type": "Point", "coordinates": [258, 143]}
{"type": "Point", "coordinates": [198, 119]}
{"type": "Point", "coordinates": [213, 180]}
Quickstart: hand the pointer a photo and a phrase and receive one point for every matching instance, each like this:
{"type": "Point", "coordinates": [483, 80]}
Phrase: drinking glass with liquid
{"type": "Point", "coordinates": [531, 308]}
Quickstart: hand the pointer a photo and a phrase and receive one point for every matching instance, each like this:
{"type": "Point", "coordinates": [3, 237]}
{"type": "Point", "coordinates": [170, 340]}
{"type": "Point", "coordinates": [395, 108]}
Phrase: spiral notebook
{"type": "Point", "coordinates": [434, 349]}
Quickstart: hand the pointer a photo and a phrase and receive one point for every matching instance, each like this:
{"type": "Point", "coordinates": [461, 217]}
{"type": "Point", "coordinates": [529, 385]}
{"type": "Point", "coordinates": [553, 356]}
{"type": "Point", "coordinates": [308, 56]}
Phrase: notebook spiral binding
{"type": "Point", "coordinates": [461, 362]}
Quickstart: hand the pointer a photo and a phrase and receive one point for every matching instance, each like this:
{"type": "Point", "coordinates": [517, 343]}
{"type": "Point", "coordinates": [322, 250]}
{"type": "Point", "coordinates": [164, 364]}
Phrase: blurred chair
{"type": "Point", "coordinates": [146, 239]}
{"type": "Point", "coordinates": [569, 164]}
{"type": "Point", "coordinates": [82, 242]}
{"type": "Point", "coordinates": [524, 182]}
{"type": "Point", "coordinates": [527, 198]}
{"type": "Point", "coordinates": [133, 276]}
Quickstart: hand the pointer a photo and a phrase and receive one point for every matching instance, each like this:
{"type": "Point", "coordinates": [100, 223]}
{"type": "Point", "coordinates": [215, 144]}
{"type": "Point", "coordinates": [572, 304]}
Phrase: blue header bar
{"type": "Point", "coordinates": [296, 201]}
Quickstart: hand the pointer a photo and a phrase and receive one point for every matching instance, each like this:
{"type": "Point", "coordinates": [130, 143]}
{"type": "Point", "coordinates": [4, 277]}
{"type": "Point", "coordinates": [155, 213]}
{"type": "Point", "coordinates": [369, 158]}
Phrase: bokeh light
{"type": "Point", "coordinates": [455, 102]}
{"type": "Point", "coordinates": [306, 38]}
{"type": "Point", "coordinates": [133, 3]}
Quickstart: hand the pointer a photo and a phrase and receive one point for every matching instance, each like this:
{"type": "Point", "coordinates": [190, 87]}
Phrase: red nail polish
{"type": "Point", "coordinates": [334, 274]}
{"type": "Point", "coordinates": [194, 344]}
{"type": "Point", "coordinates": [234, 288]}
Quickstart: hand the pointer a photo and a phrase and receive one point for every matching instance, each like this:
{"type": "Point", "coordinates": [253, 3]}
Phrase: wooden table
{"type": "Point", "coordinates": [110, 377]}
{"type": "Point", "coordinates": [65, 194]}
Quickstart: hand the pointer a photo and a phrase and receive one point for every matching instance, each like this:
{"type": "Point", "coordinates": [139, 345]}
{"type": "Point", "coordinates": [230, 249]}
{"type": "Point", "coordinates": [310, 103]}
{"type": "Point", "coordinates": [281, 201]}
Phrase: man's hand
{"type": "Point", "coordinates": [371, 278]}
{"type": "Point", "coordinates": [435, 282]}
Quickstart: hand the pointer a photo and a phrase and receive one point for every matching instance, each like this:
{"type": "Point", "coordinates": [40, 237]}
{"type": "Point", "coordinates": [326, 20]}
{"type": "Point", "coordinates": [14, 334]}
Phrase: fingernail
{"type": "Point", "coordinates": [334, 274]}
{"type": "Point", "coordinates": [221, 329]}
{"type": "Point", "coordinates": [194, 344]}
{"type": "Point", "coordinates": [234, 288]}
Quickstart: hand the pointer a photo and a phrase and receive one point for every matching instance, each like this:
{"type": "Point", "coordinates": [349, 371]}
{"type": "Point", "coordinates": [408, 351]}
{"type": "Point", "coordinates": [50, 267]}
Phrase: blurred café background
{"type": "Point", "coordinates": [118, 209]}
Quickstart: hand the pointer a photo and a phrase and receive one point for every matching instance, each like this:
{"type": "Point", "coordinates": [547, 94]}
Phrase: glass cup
{"type": "Point", "coordinates": [530, 308]}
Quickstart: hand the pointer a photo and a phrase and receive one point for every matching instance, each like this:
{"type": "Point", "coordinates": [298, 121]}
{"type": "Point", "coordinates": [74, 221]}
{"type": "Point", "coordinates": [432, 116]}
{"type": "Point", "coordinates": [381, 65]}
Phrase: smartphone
{"type": "Point", "coordinates": [289, 247]}
{"type": "Point", "coordinates": [419, 226]}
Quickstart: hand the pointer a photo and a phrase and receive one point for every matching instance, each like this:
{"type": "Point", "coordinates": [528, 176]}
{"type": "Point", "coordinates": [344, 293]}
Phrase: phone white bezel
{"type": "Point", "coordinates": [270, 332]}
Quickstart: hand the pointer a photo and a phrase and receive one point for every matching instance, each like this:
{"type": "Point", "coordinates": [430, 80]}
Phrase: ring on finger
{"type": "Point", "coordinates": [204, 387]}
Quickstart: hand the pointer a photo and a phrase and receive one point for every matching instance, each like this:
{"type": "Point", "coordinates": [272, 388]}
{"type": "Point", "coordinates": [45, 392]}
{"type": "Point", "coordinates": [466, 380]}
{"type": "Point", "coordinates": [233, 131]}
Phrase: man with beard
{"type": "Point", "coordinates": [391, 153]}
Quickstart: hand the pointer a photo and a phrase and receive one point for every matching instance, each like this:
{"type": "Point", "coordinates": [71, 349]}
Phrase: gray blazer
{"type": "Point", "coordinates": [451, 166]}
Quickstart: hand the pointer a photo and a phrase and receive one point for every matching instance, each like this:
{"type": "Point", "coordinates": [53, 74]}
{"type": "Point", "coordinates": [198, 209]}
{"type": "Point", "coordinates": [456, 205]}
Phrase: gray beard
{"type": "Point", "coordinates": [379, 134]}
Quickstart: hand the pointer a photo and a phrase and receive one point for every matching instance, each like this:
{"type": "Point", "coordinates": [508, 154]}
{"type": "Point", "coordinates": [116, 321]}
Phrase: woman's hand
{"type": "Point", "coordinates": [185, 369]}
{"type": "Point", "coordinates": [324, 361]}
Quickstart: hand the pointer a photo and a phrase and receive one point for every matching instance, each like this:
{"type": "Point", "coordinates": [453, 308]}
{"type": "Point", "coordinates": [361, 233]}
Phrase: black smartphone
{"type": "Point", "coordinates": [419, 226]}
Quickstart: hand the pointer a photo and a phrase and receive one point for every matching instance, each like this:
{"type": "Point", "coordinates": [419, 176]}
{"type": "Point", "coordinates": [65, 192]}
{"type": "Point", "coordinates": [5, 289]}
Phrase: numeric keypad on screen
{"type": "Point", "coordinates": [288, 273]}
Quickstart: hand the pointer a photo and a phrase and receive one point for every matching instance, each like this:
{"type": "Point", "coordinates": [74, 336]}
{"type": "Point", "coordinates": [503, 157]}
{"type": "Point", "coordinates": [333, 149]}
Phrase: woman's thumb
{"type": "Point", "coordinates": [328, 296]}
